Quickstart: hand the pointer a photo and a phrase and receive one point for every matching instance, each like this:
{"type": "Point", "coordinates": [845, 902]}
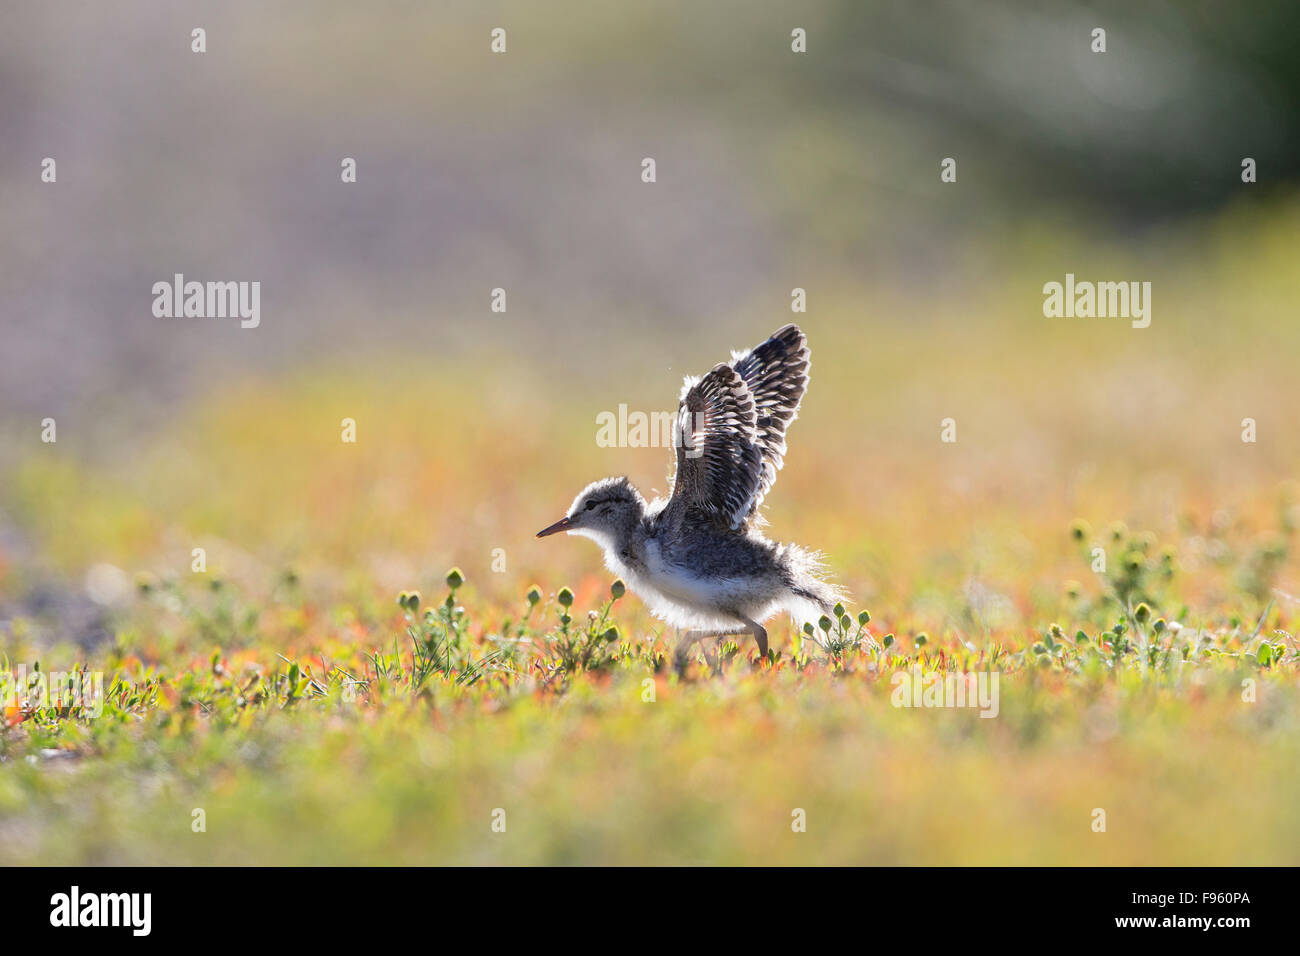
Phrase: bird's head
{"type": "Point", "coordinates": [602, 511]}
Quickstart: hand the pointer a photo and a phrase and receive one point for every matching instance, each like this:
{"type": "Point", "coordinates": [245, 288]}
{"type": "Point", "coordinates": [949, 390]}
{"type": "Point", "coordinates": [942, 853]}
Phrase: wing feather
{"type": "Point", "coordinates": [730, 428]}
{"type": "Point", "coordinates": [719, 462]}
{"type": "Point", "coordinates": [776, 373]}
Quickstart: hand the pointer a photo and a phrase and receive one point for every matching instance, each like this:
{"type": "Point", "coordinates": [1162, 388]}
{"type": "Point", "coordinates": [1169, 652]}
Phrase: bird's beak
{"type": "Point", "coordinates": [562, 525]}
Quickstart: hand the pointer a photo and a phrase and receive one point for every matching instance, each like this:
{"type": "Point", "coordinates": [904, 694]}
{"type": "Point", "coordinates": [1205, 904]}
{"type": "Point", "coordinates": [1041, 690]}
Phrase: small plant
{"type": "Point", "coordinates": [591, 648]}
{"type": "Point", "coordinates": [440, 644]}
{"type": "Point", "coordinates": [1134, 572]}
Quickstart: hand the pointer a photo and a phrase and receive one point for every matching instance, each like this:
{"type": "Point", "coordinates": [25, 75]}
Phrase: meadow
{"type": "Point", "coordinates": [378, 662]}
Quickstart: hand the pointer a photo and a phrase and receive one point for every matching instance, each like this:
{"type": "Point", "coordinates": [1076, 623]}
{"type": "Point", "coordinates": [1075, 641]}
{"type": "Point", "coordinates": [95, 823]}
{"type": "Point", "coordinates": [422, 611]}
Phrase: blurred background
{"type": "Point", "coordinates": [775, 170]}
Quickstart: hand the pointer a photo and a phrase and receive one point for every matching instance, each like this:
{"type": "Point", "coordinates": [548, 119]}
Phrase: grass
{"type": "Point", "coordinates": [403, 737]}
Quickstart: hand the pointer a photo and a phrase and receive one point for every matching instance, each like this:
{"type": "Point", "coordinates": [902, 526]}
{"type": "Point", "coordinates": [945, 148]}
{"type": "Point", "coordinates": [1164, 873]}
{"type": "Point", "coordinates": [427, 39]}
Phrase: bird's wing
{"type": "Point", "coordinates": [776, 374]}
{"type": "Point", "coordinates": [719, 461]}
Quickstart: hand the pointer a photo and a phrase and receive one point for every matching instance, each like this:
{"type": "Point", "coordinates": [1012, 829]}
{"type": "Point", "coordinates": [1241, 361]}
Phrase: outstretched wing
{"type": "Point", "coordinates": [719, 461]}
{"type": "Point", "coordinates": [776, 374]}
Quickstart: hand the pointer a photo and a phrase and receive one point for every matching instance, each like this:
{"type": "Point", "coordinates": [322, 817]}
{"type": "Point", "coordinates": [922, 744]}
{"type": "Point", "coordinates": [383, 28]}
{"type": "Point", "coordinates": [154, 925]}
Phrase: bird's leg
{"type": "Point", "coordinates": [685, 641]}
{"type": "Point", "coordinates": [689, 639]}
{"type": "Point", "coordinates": [759, 632]}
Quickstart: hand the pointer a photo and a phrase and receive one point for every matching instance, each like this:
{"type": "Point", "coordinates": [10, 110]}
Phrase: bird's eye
{"type": "Point", "coordinates": [590, 505]}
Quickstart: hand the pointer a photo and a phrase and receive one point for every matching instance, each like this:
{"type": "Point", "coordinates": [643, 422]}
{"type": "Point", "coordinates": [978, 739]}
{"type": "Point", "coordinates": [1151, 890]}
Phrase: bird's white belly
{"type": "Point", "coordinates": [687, 600]}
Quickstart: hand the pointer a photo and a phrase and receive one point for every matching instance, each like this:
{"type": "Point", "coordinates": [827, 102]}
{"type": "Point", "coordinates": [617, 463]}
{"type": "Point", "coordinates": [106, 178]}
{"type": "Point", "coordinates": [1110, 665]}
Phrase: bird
{"type": "Point", "coordinates": [698, 558]}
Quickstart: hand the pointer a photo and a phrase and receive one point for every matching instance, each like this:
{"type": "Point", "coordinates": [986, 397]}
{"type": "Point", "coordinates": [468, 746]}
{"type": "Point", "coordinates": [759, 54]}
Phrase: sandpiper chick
{"type": "Point", "coordinates": [697, 558]}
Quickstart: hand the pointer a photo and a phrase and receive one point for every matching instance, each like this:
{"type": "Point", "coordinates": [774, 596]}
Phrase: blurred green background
{"type": "Point", "coordinates": [522, 171]}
